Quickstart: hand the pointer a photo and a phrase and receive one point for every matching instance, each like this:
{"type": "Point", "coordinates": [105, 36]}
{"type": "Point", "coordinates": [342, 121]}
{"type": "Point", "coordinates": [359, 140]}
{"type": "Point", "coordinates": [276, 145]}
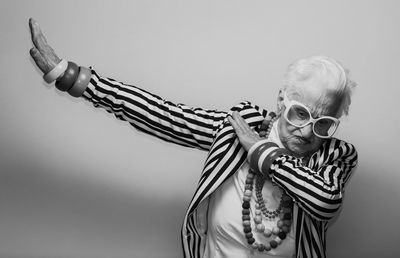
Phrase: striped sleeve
{"type": "Point", "coordinates": [318, 190]}
{"type": "Point", "coordinates": [176, 123]}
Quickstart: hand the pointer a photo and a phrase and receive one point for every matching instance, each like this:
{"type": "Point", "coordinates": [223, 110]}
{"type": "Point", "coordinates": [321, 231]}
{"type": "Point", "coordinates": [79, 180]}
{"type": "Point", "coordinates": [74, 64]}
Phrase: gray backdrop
{"type": "Point", "coordinates": [76, 182]}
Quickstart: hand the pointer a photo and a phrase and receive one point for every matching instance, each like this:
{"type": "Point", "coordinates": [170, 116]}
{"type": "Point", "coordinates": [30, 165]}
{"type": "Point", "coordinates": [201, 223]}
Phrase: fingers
{"type": "Point", "coordinates": [240, 123]}
{"type": "Point", "coordinates": [35, 54]}
{"type": "Point", "coordinates": [241, 127]}
{"type": "Point", "coordinates": [38, 58]}
{"type": "Point", "coordinates": [42, 53]}
{"type": "Point", "coordinates": [38, 38]}
{"type": "Point", "coordinates": [246, 135]}
{"type": "Point", "coordinates": [234, 125]}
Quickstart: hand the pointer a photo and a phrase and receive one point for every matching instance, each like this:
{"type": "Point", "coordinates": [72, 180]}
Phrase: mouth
{"type": "Point", "coordinates": [302, 140]}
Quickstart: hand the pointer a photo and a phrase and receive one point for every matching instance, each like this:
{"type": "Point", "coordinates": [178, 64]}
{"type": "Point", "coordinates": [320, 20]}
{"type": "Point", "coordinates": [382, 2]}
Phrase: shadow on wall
{"type": "Point", "coordinates": [362, 214]}
{"type": "Point", "coordinates": [47, 216]}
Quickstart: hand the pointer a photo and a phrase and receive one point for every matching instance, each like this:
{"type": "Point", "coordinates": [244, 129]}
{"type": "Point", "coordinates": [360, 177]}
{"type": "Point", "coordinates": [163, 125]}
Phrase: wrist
{"type": "Point", "coordinates": [74, 79]}
{"type": "Point", "coordinates": [260, 153]}
{"type": "Point", "coordinates": [254, 147]}
{"type": "Point", "coordinates": [56, 72]}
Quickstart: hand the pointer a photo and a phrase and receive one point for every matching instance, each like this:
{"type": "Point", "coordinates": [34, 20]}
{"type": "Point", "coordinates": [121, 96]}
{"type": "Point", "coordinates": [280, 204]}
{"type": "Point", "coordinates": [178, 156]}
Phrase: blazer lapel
{"type": "Point", "coordinates": [226, 155]}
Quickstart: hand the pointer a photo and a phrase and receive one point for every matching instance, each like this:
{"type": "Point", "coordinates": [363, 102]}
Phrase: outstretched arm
{"type": "Point", "coordinates": [177, 123]}
{"type": "Point", "coordinates": [149, 113]}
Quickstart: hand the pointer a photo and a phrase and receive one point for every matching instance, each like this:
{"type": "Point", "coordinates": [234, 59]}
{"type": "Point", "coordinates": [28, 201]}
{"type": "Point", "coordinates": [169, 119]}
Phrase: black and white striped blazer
{"type": "Point", "coordinates": [316, 187]}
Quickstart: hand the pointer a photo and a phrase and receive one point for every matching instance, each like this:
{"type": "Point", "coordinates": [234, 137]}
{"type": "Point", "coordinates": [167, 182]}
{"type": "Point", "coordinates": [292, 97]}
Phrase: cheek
{"type": "Point", "coordinates": [285, 129]}
{"type": "Point", "coordinates": [288, 131]}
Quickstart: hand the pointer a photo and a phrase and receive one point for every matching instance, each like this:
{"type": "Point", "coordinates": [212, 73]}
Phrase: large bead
{"type": "Point", "coordinates": [246, 198]}
{"type": "Point", "coordinates": [245, 211]}
{"type": "Point", "coordinates": [245, 217]}
{"type": "Point", "coordinates": [251, 240]}
{"type": "Point", "coordinates": [258, 219]}
{"type": "Point", "coordinates": [286, 209]}
{"type": "Point", "coordinates": [287, 223]}
{"type": "Point", "coordinates": [285, 229]}
{"type": "Point", "coordinates": [267, 232]}
{"type": "Point", "coordinates": [282, 235]}
{"type": "Point", "coordinates": [261, 248]}
{"type": "Point", "coordinates": [273, 244]}
{"type": "Point", "coordinates": [267, 247]}
{"type": "Point", "coordinates": [263, 133]}
{"type": "Point", "coordinates": [246, 223]}
{"type": "Point", "coordinates": [248, 187]}
{"type": "Point", "coordinates": [246, 205]}
{"type": "Point", "coordinates": [275, 230]}
{"type": "Point", "coordinates": [248, 235]}
{"type": "Point", "coordinates": [260, 228]}
{"type": "Point", "coordinates": [246, 229]}
{"type": "Point", "coordinates": [247, 193]}
{"type": "Point", "coordinates": [287, 216]}
{"type": "Point", "coordinates": [278, 240]}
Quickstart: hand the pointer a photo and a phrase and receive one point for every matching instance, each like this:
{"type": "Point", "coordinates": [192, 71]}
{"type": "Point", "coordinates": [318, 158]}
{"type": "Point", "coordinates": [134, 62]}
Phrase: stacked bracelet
{"type": "Point", "coordinates": [254, 147]}
{"type": "Point", "coordinates": [56, 71]}
{"type": "Point", "coordinates": [67, 80]}
{"type": "Point", "coordinates": [81, 82]}
{"type": "Point", "coordinates": [262, 155]}
{"type": "Point", "coordinates": [74, 80]}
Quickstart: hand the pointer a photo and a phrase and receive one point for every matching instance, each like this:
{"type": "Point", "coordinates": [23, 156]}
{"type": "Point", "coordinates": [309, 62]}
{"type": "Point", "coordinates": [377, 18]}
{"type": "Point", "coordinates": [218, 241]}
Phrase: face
{"type": "Point", "coordinates": [320, 101]}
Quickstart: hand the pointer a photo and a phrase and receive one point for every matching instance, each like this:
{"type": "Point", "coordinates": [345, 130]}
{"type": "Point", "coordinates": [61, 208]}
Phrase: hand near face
{"type": "Point", "coordinates": [43, 55]}
{"type": "Point", "coordinates": [246, 135]}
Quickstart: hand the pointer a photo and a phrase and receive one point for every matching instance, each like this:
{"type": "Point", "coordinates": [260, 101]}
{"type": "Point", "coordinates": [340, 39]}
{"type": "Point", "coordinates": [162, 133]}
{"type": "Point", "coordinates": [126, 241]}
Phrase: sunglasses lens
{"type": "Point", "coordinates": [298, 115]}
{"type": "Point", "coordinates": [325, 127]}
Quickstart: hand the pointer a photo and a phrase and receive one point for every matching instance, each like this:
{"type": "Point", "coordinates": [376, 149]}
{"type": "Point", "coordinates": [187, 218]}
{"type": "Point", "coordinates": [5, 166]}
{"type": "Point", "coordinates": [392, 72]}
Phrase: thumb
{"type": "Point", "coordinates": [43, 54]}
{"type": "Point", "coordinates": [39, 60]}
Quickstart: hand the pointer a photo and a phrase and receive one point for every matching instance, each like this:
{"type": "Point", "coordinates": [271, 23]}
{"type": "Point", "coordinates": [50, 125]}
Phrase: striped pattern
{"type": "Point", "coordinates": [316, 188]}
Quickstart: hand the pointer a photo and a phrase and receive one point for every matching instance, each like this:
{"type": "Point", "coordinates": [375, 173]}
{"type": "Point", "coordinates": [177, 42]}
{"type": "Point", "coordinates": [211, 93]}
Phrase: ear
{"type": "Point", "coordinates": [279, 102]}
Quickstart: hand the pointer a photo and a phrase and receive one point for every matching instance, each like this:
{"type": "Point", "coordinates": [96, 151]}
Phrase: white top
{"type": "Point", "coordinates": [225, 237]}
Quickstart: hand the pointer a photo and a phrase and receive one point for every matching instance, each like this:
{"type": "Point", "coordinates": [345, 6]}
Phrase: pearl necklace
{"type": "Point", "coordinates": [284, 210]}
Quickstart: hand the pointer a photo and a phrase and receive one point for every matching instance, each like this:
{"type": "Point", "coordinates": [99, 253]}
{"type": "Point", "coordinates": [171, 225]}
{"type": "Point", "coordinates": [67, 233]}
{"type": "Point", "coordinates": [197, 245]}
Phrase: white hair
{"type": "Point", "coordinates": [331, 73]}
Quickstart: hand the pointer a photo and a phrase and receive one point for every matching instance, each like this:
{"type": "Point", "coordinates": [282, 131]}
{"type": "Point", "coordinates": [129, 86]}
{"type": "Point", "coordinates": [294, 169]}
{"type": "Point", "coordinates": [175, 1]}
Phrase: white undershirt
{"type": "Point", "coordinates": [225, 237]}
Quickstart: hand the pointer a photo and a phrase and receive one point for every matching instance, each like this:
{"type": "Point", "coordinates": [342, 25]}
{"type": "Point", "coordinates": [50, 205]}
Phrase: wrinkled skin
{"type": "Point", "coordinates": [42, 53]}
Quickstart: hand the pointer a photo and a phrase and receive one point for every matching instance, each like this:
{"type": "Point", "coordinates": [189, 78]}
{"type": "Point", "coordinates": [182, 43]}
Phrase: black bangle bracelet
{"type": "Point", "coordinates": [81, 82]}
{"type": "Point", "coordinates": [70, 75]}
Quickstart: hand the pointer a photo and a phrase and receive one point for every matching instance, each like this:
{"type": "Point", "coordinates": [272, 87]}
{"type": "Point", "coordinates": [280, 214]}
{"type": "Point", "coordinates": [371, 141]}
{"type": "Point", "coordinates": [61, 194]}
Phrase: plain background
{"type": "Point", "coordinates": [77, 182]}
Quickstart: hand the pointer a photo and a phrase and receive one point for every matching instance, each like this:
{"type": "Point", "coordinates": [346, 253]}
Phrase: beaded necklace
{"type": "Point", "coordinates": [284, 210]}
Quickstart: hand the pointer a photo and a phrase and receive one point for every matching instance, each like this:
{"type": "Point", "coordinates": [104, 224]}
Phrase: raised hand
{"type": "Point", "coordinates": [246, 135]}
{"type": "Point", "coordinates": [42, 53]}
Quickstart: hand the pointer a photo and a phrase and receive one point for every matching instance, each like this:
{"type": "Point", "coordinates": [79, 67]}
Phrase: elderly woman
{"type": "Point", "coordinates": [271, 183]}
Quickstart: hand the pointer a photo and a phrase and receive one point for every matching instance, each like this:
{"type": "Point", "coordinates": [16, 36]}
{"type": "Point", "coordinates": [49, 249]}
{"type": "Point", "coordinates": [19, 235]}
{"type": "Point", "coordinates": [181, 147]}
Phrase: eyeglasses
{"type": "Point", "coordinates": [298, 115]}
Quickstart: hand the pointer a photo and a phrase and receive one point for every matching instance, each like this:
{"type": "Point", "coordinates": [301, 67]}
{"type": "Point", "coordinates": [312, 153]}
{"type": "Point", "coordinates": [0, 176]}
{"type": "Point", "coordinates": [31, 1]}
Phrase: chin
{"type": "Point", "coordinates": [298, 151]}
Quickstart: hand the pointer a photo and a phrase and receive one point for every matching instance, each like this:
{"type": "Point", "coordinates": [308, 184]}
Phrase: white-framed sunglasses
{"type": "Point", "coordinates": [298, 115]}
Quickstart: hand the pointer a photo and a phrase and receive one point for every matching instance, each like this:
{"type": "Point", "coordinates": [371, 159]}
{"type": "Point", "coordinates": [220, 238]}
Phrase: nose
{"type": "Point", "coordinates": [307, 131]}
